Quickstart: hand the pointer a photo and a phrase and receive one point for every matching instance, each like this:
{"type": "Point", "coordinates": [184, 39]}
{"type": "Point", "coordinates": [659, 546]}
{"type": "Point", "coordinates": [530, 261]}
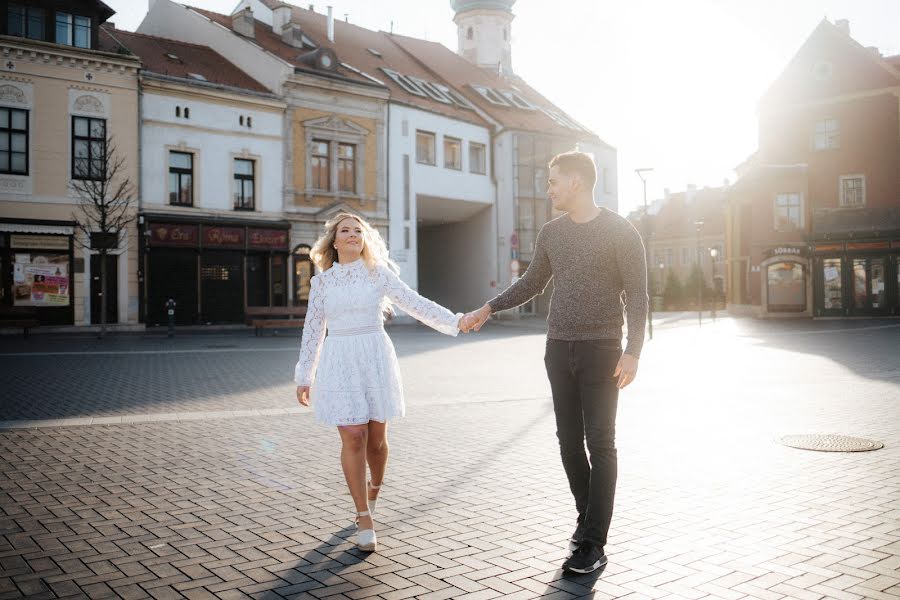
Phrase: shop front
{"type": "Point", "coordinates": [857, 278]}
{"type": "Point", "coordinates": [213, 271]}
{"type": "Point", "coordinates": [785, 280]}
{"type": "Point", "coordinates": [37, 261]}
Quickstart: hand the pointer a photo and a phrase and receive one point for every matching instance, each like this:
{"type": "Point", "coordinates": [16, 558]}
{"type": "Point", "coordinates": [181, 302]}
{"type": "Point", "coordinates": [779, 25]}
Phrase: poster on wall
{"type": "Point", "coordinates": [41, 280]}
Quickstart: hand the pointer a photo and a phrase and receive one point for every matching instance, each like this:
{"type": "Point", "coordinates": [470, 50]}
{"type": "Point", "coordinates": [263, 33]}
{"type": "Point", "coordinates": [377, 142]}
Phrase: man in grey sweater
{"type": "Point", "coordinates": [595, 257]}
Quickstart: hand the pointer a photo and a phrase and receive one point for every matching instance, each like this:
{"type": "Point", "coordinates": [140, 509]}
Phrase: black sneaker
{"type": "Point", "coordinates": [586, 559]}
{"type": "Point", "coordinates": [577, 537]}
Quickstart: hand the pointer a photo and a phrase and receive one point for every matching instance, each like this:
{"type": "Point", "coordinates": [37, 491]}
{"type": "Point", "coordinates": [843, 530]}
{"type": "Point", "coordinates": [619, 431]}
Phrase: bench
{"type": "Point", "coordinates": [274, 317]}
{"type": "Point", "coordinates": [17, 317]}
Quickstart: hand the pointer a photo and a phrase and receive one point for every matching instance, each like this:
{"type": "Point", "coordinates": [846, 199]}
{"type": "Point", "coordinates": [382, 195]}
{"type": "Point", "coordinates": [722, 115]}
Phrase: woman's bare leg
{"type": "Point", "coordinates": [377, 454]}
{"type": "Point", "coordinates": [353, 460]}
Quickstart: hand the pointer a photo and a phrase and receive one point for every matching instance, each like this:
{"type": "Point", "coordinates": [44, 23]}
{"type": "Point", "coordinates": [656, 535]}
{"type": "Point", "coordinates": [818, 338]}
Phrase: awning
{"type": "Point", "coordinates": [26, 228]}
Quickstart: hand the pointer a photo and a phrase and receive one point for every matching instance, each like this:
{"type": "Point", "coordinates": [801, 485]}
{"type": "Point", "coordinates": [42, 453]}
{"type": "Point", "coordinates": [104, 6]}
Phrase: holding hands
{"type": "Point", "coordinates": [475, 319]}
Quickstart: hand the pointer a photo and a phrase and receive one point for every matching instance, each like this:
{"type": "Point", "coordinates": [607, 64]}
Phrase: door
{"type": "Point", "coordinates": [257, 280]}
{"type": "Point", "coordinates": [112, 289]}
{"type": "Point", "coordinates": [830, 296]}
{"type": "Point", "coordinates": [222, 287]}
{"type": "Point", "coordinates": [172, 274]}
{"type": "Point", "coordinates": [870, 286]}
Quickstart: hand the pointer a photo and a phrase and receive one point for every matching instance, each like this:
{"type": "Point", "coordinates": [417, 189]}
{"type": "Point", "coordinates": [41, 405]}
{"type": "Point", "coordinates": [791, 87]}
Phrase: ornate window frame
{"type": "Point", "coordinates": [336, 131]}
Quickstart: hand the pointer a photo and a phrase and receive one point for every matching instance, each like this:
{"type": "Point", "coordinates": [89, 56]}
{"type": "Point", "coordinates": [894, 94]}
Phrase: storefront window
{"type": "Point", "coordinates": [786, 287]}
{"type": "Point", "coordinates": [831, 275]}
{"type": "Point", "coordinates": [869, 283]}
{"type": "Point", "coordinates": [40, 279]}
{"type": "Point", "coordinates": [303, 272]}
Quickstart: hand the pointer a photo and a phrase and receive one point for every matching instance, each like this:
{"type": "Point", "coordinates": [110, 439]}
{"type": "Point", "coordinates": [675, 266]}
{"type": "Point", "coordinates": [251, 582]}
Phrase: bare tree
{"type": "Point", "coordinates": [105, 208]}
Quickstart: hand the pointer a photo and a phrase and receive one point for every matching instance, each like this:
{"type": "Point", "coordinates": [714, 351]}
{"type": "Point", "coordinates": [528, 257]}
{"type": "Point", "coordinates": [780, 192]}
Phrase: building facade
{"type": "Point", "coordinates": [213, 234]}
{"type": "Point", "coordinates": [333, 128]}
{"type": "Point", "coordinates": [814, 219]}
{"type": "Point", "coordinates": [65, 102]}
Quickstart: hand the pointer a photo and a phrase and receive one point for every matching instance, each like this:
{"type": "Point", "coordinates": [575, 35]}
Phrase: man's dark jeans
{"type": "Point", "coordinates": [585, 399]}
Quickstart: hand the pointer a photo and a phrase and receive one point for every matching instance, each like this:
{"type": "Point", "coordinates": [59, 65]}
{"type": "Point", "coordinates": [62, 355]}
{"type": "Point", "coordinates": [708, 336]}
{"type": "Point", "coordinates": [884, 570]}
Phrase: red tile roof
{"type": "Point", "coordinates": [425, 60]}
{"type": "Point", "coordinates": [178, 59]}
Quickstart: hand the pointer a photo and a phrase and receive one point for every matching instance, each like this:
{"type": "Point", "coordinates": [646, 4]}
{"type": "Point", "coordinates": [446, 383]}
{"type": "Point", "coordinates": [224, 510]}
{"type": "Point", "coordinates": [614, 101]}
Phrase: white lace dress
{"type": "Point", "coordinates": [353, 369]}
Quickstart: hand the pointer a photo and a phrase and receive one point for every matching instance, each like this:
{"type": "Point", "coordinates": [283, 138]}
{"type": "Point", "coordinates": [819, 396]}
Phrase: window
{"type": "Point", "coordinates": [88, 148]}
{"type": "Point", "coordinates": [244, 180]}
{"type": "Point", "coordinates": [853, 190]}
{"type": "Point", "coordinates": [685, 256]}
{"type": "Point", "coordinates": [26, 22]}
{"type": "Point", "coordinates": [519, 100]}
{"type": "Point", "coordinates": [470, 33]}
{"type": "Point", "coordinates": [786, 287]}
{"type": "Point", "coordinates": [670, 257]}
{"type": "Point", "coordinates": [13, 141]}
{"type": "Point", "coordinates": [491, 95]}
{"type": "Point", "coordinates": [452, 153]}
{"type": "Point", "coordinates": [181, 178]}
{"type": "Point", "coordinates": [828, 134]}
{"type": "Point", "coordinates": [477, 158]}
{"type": "Point", "coordinates": [831, 277]}
{"type": "Point", "coordinates": [455, 96]}
{"type": "Point", "coordinates": [788, 213]}
{"type": "Point", "coordinates": [178, 111]}
{"type": "Point", "coordinates": [404, 82]}
{"type": "Point", "coordinates": [347, 168]}
{"type": "Point", "coordinates": [321, 166]}
{"type": "Point", "coordinates": [425, 148]}
{"type": "Point", "coordinates": [73, 30]}
{"type": "Point", "coordinates": [433, 91]}
{"type": "Point", "coordinates": [187, 112]}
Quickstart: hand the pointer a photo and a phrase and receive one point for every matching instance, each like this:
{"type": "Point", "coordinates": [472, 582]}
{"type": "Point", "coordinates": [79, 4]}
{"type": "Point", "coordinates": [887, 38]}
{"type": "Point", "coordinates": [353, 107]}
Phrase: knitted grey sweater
{"type": "Point", "coordinates": [592, 264]}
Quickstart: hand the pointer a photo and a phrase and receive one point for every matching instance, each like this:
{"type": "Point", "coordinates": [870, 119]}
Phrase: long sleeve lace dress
{"type": "Point", "coordinates": [345, 354]}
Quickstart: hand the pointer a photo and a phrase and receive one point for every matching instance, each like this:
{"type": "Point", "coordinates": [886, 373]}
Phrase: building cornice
{"type": "Point", "coordinates": [46, 52]}
{"type": "Point", "coordinates": [205, 90]}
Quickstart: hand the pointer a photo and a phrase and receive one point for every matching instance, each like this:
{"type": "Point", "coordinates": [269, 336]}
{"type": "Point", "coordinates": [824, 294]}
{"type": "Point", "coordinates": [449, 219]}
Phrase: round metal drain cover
{"type": "Point", "coordinates": [830, 443]}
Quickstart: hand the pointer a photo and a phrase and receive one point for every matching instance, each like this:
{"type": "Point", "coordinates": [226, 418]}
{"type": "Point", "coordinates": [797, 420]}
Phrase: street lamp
{"type": "Point", "coordinates": [713, 253]}
{"type": "Point", "coordinates": [646, 228]}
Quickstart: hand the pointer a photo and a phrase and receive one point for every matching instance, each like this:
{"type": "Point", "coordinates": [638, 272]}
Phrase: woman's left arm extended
{"type": "Point", "coordinates": [431, 313]}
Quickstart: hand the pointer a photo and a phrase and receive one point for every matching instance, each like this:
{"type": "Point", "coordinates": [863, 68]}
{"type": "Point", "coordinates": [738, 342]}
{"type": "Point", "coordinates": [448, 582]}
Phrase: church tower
{"type": "Point", "coordinates": [484, 32]}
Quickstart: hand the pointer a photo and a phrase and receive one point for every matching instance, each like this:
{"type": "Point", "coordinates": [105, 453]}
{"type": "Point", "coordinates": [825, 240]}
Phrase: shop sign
{"type": "Point", "coordinates": [828, 247]}
{"type": "Point", "coordinates": [867, 246]}
{"type": "Point", "coordinates": [39, 242]}
{"type": "Point", "coordinates": [232, 237]}
{"type": "Point", "coordinates": [41, 279]}
{"type": "Point", "coordinates": [268, 239]}
{"type": "Point", "coordinates": [785, 251]}
{"type": "Point", "coordinates": [166, 234]}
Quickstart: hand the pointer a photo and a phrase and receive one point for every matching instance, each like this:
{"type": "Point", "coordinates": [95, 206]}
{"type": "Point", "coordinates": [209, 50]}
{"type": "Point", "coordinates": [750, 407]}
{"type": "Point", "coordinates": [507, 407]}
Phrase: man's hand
{"type": "Point", "coordinates": [303, 395]}
{"type": "Point", "coordinates": [626, 370]}
{"type": "Point", "coordinates": [476, 318]}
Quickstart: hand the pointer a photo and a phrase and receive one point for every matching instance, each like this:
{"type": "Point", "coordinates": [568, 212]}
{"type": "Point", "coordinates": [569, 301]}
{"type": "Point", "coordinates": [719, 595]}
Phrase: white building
{"type": "Point", "coordinates": [211, 213]}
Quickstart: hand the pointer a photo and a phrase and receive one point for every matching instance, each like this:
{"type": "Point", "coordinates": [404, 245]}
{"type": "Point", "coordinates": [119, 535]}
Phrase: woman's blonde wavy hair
{"type": "Point", "coordinates": [374, 251]}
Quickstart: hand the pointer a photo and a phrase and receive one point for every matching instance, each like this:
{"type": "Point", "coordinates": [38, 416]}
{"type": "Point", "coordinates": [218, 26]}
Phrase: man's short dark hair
{"type": "Point", "coordinates": [577, 162]}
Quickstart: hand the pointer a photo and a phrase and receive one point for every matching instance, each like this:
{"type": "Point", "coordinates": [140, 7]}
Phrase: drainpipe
{"type": "Point", "coordinates": [494, 135]}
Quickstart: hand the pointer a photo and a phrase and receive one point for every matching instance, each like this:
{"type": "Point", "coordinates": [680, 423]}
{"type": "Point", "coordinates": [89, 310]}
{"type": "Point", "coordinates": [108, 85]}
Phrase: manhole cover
{"type": "Point", "coordinates": [830, 443]}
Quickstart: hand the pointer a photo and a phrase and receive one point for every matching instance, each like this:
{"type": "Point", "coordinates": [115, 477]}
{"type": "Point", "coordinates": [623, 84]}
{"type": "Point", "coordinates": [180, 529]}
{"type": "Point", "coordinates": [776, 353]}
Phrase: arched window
{"type": "Point", "coordinates": [786, 287]}
{"type": "Point", "coordinates": [470, 33]}
{"type": "Point", "coordinates": [303, 272]}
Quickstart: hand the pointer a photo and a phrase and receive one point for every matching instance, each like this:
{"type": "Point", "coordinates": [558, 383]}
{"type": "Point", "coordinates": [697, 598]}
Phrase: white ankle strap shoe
{"type": "Point", "coordinates": [366, 540]}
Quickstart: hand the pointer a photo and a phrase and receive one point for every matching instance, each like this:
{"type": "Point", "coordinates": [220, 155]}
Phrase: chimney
{"type": "Point", "coordinates": [330, 25]}
{"type": "Point", "coordinates": [109, 25]}
{"type": "Point", "coordinates": [312, 8]}
{"type": "Point", "coordinates": [281, 14]}
{"type": "Point", "coordinates": [242, 22]}
{"type": "Point", "coordinates": [844, 26]}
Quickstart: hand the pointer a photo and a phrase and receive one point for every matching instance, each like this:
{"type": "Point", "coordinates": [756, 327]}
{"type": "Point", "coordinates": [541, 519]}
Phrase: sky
{"type": "Point", "coordinates": [673, 85]}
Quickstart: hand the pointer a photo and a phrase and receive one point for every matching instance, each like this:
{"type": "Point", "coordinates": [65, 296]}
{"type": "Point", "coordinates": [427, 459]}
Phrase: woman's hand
{"type": "Point", "coordinates": [303, 395]}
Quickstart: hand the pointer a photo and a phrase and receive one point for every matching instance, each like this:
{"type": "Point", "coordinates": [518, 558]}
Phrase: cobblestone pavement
{"type": "Point", "coordinates": [475, 504]}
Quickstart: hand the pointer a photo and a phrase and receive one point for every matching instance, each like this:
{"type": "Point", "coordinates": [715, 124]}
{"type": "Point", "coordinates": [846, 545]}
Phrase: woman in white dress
{"type": "Point", "coordinates": [350, 374]}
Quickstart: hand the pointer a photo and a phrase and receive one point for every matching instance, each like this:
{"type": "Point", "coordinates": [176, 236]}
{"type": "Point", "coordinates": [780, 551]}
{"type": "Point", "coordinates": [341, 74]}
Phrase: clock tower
{"type": "Point", "coordinates": [484, 32]}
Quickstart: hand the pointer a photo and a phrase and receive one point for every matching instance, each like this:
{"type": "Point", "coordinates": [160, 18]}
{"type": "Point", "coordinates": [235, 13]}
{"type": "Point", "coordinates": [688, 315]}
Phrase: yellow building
{"type": "Point", "coordinates": [61, 100]}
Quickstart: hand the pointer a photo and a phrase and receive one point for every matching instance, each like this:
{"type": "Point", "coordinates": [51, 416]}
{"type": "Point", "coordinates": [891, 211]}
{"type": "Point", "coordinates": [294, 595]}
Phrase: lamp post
{"type": "Point", "coordinates": [699, 225]}
{"type": "Point", "coordinates": [645, 221]}
{"type": "Point", "coordinates": [713, 253]}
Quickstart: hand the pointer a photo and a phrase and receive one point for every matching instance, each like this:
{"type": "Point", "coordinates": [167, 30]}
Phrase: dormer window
{"type": "Point", "coordinates": [432, 90]}
{"type": "Point", "coordinates": [519, 101]}
{"type": "Point", "coordinates": [457, 98]}
{"type": "Point", "coordinates": [491, 96]}
{"type": "Point", "coordinates": [73, 30]}
{"type": "Point", "coordinates": [405, 82]}
{"type": "Point", "coordinates": [374, 52]}
{"type": "Point", "coordinates": [25, 21]}
{"type": "Point", "coordinates": [197, 76]}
